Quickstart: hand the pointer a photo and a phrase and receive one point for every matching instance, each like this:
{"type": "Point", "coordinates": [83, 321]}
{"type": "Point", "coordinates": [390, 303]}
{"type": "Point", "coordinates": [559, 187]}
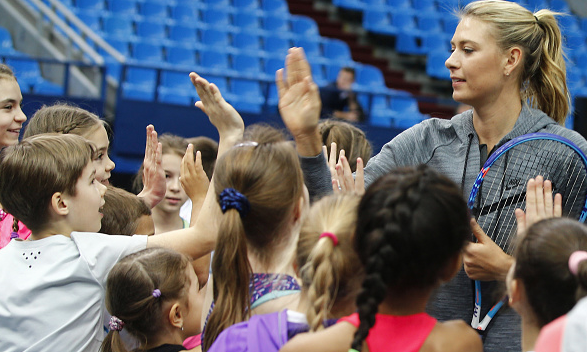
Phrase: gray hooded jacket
{"type": "Point", "coordinates": [452, 148]}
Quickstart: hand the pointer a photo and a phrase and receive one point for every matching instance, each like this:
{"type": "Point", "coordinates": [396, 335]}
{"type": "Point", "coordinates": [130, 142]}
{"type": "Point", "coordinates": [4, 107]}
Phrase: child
{"type": "Point", "coordinates": [326, 265]}
{"type": "Point", "coordinates": [153, 295]}
{"type": "Point", "coordinates": [125, 214]}
{"type": "Point", "coordinates": [11, 120]}
{"type": "Point", "coordinates": [260, 189]}
{"type": "Point", "coordinates": [61, 301]}
{"type": "Point", "coordinates": [68, 119]}
{"type": "Point", "coordinates": [348, 137]}
{"type": "Point", "coordinates": [412, 225]}
{"type": "Point", "coordinates": [166, 213]}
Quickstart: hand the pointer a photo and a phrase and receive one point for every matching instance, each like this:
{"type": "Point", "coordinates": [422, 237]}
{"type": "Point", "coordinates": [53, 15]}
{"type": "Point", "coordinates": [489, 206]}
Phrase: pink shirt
{"type": "Point", "coordinates": [6, 221]}
{"type": "Point", "coordinates": [551, 336]}
{"type": "Point", "coordinates": [396, 333]}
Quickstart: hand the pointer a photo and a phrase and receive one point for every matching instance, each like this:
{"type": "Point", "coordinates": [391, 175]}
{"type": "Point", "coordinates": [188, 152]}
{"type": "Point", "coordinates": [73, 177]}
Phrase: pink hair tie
{"type": "Point", "coordinates": [574, 260]}
{"type": "Point", "coordinates": [331, 236]}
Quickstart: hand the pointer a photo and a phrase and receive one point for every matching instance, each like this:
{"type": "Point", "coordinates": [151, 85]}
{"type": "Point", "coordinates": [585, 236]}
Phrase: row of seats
{"type": "Point", "coordinates": [27, 70]}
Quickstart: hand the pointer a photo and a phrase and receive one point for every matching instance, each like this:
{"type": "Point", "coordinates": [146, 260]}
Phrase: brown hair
{"type": "Point", "coordinates": [542, 264]}
{"type": "Point", "coordinates": [543, 78]}
{"type": "Point", "coordinates": [122, 212]}
{"type": "Point", "coordinates": [129, 293]}
{"type": "Point", "coordinates": [270, 177]}
{"type": "Point", "coordinates": [209, 150]}
{"type": "Point", "coordinates": [171, 144]}
{"type": "Point", "coordinates": [62, 118]}
{"type": "Point", "coordinates": [348, 137]}
{"type": "Point", "coordinates": [36, 168]}
{"type": "Point", "coordinates": [6, 72]}
{"type": "Point", "coordinates": [329, 273]}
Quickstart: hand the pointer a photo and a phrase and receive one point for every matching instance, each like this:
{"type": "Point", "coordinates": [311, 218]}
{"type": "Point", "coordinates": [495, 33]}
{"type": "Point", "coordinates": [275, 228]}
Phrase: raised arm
{"type": "Point", "coordinates": [200, 239]}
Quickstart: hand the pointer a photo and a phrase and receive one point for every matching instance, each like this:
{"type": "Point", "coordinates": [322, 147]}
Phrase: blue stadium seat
{"type": "Point", "coordinates": [415, 44]}
{"type": "Point", "coordinates": [399, 4]}
{"type": "Point", "coordinates": [304, 26]}
{"type": "Point", "coordinates": [216, 39]}
{"type": "Point", "coordinates": [275, 7]}
{"type": "Point", "coordinates": [185, 14]}
{"type": "Point", "coordinates": [139, 84]}
{"type": "Point", "coordinates": [147, 52]}
{"type": "Point", "coordinates": [215, 62]}
{"type": "Point", "coordinates": [272, 98]}
{"type": "Point", "coordinates": [569, 24]}
{"type": "Point", "coordinates": [248, 96]}
{"type": "Point", "coordinates": [559, 6]}
{"type": "Point", "coordinates": [92, 20]}
{"type": "Point", "coordinates": [182, 56]}
{"type": "Point", "coordinates": [28, 72]}
{"type": "Point", "coordinates": [276, 24]}
{"type": "Point", "coordinates": [405, 112]}
{"type": "Point", "coordinates": [575, 40]}
{"type": "Point", "coordinates": [449, 24]}
{"type": "Point", "coordinates": [378, 21]}
{"type": "Point", "coordinates": [429, 21]}
{"type": "Point", "coordinates": [358, 5]}
{"type": "Point", "coordinates": [90, 5]}
{"type": "Point", "coordinates": [435, 65]}
{"type": "Point", "coordinates": [113, 67]}
{"type": "Point", "coordinates": [122, 7]}
{"type": "Point", "coordinates": [247, 43]}
{"type": "Point", "coordinates": [535, 5]}
{"type": "Point", "coordinates": [119, 27]}
{"type": "Point", "coordinates": [246, 5]}
{"type": "Point", "coordinates": [318, 74]}
{"type": "Point", "coordinates": [370, 78]}
{"type": "Point", "coordinates": [217, 17]}
{"type": "Point", "coordinates": [424, 5]}
{"type": "Point", "coordinates": [337, 51]}
{"type": "Point", "coordinates": [154, 11]}
{"type": "Point", "coordinates": [175, 88]}
{"type": "Point", "coordinates": [332, 71]}
{"type": "Point", "coordinates": [271, 65]}
{"type": "Point", "coordinates": [46, 87]}
{"type": "Point", "coordinates": [276, 46]}
{"type": "Point", "coordinates": [184, 36]}
{"type": "Point", "coordinates": [217, 3]}
{"type": "Point", "coordinates": [151, 31]}
{"type": "Point", "coordinates": [247, 66]}
{"type": "Point", "coordinates": [247, 21]}
{"type": "Point", "coordinates": [6, 45]}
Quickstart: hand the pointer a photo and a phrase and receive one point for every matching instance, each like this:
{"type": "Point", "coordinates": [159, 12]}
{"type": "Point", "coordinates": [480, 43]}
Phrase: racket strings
{"type": "Point", "coordinates": [508, 176]}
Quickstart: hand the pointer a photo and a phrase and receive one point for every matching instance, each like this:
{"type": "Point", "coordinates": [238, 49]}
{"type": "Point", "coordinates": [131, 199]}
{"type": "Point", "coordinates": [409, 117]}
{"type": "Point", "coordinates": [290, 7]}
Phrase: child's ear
{"type": "Point", "coordinates": [516, 293]}
{"type": "Point", "coordinates": [59, 204]}
{"type": "Point", "coordinates": [176, 316]}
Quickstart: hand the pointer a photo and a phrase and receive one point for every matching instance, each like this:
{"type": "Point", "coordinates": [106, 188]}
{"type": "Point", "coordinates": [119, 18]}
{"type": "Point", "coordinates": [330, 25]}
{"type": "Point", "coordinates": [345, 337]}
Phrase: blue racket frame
{"type": "Point", "coordinates": [471, 202]}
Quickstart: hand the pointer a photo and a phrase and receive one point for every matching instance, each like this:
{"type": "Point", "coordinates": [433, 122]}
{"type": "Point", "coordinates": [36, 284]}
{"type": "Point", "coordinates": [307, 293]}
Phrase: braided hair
{"type": "Point", "coordinates": [410, 224]}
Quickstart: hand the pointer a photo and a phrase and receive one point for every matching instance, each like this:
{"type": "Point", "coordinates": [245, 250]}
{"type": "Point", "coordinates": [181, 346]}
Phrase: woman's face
{"type": "Point", "coordinates": [477, 65]}
{"type": "Point", "coordinates": [11, 115]}
{"type": "Point", "coordinates": [104, 165]}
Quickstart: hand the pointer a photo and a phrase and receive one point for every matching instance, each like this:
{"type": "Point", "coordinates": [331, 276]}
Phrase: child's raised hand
{"type": "Point", "coordinates": [344, 180]}
{"type": "Point", "coordinates": [154, 186]}
{"type": "Point", "coordinates": [193, 177]}
{"type": "Point", "coordinates": [330, 160]}
{"type": "Point", "coordinates": [222, 115]}
{"type": "Point", "coordinates": [299, 102]}
{"type": "Point", "coordinates": [539, 204]}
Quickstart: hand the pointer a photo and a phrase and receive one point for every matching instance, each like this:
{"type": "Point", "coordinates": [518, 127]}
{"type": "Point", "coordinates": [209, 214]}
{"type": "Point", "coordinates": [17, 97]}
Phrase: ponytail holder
{"type": "Point", "coordinates": [115, 323]}
{"type": "Point", "coordinates": [331, 236]}
{"type": "Point", "coordinates": [156, 293]}
{"type": "Point", "coordinates": [13, 235]}
{"type": "Point", "coordinates": [574, 260]}
{"type": "Point", "coordinates": [230, 198]}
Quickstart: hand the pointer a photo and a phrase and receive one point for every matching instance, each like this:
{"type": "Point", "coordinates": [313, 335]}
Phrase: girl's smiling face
{"type": "Point", "coordinates": [103, 164]}
{"type": "Point", "coordinates": [11, 115]}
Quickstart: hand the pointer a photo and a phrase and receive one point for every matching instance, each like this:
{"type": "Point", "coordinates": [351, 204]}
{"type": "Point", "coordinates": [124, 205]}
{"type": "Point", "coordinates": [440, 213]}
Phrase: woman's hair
{"type": "Point", "coordinates": [542, 265]}
{"type": "Point", "coordinates": [62, 118]}
{"type": "Point", "coordinates": [328, 271]}
{"type": "Point", "coordinates": [208, 148]}
{"type": "Point", "coordinates": [129, 293]}
{"type": "Point", "coordinates": [543, 78]}
{"type": "Point", "coordinates": [171, 144]}
{"type": "Point", "coordinates": [6, 72]}
{"type": "Point", "coordinates": [122, 212]}
{"type": "Point", "coordinates": [266, 170]}
{"type": "Point", "coordinates": [410, 224]}
{"type": "Point", "coordinates": [348, 137]}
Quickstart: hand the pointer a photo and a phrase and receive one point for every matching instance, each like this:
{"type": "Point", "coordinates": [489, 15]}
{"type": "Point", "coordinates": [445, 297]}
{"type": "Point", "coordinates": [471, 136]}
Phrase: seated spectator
{"type": "Point", "coordinates": [338, 99]}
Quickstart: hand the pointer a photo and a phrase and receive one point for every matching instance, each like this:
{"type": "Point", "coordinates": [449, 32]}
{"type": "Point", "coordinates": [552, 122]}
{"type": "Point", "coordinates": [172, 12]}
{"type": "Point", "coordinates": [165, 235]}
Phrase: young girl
{"type": "Point", "coordinates": [11, 120]}
{"type": "Point", "coordinates": [326, 265]}
{"type": "Point", "coordinates": [166, 213]}
{"type": "Point", "coordinates": [125, 214]}
{"type": "Point", "coordinates": [63, 118]}
{"type": "Point", "coordinates": [154, 295]}
{"type": "Point", "coordinates": [548, 276]}
{"type": "Point", "coordinates": [412, 225]}
{"type": "Point", "coordinates": [260, 188]}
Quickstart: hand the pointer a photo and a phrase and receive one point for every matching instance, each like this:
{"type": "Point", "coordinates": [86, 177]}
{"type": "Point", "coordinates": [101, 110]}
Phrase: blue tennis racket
{"type": "Point", "coordinates": [500, 188]}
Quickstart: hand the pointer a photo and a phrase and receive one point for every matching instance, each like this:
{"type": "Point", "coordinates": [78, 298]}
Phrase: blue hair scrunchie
{"type": "Point", "coordinates": [230, 198]}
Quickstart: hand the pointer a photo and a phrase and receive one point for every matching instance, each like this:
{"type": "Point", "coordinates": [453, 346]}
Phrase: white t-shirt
{"type": "Point", "coordinates": [52, 290]}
